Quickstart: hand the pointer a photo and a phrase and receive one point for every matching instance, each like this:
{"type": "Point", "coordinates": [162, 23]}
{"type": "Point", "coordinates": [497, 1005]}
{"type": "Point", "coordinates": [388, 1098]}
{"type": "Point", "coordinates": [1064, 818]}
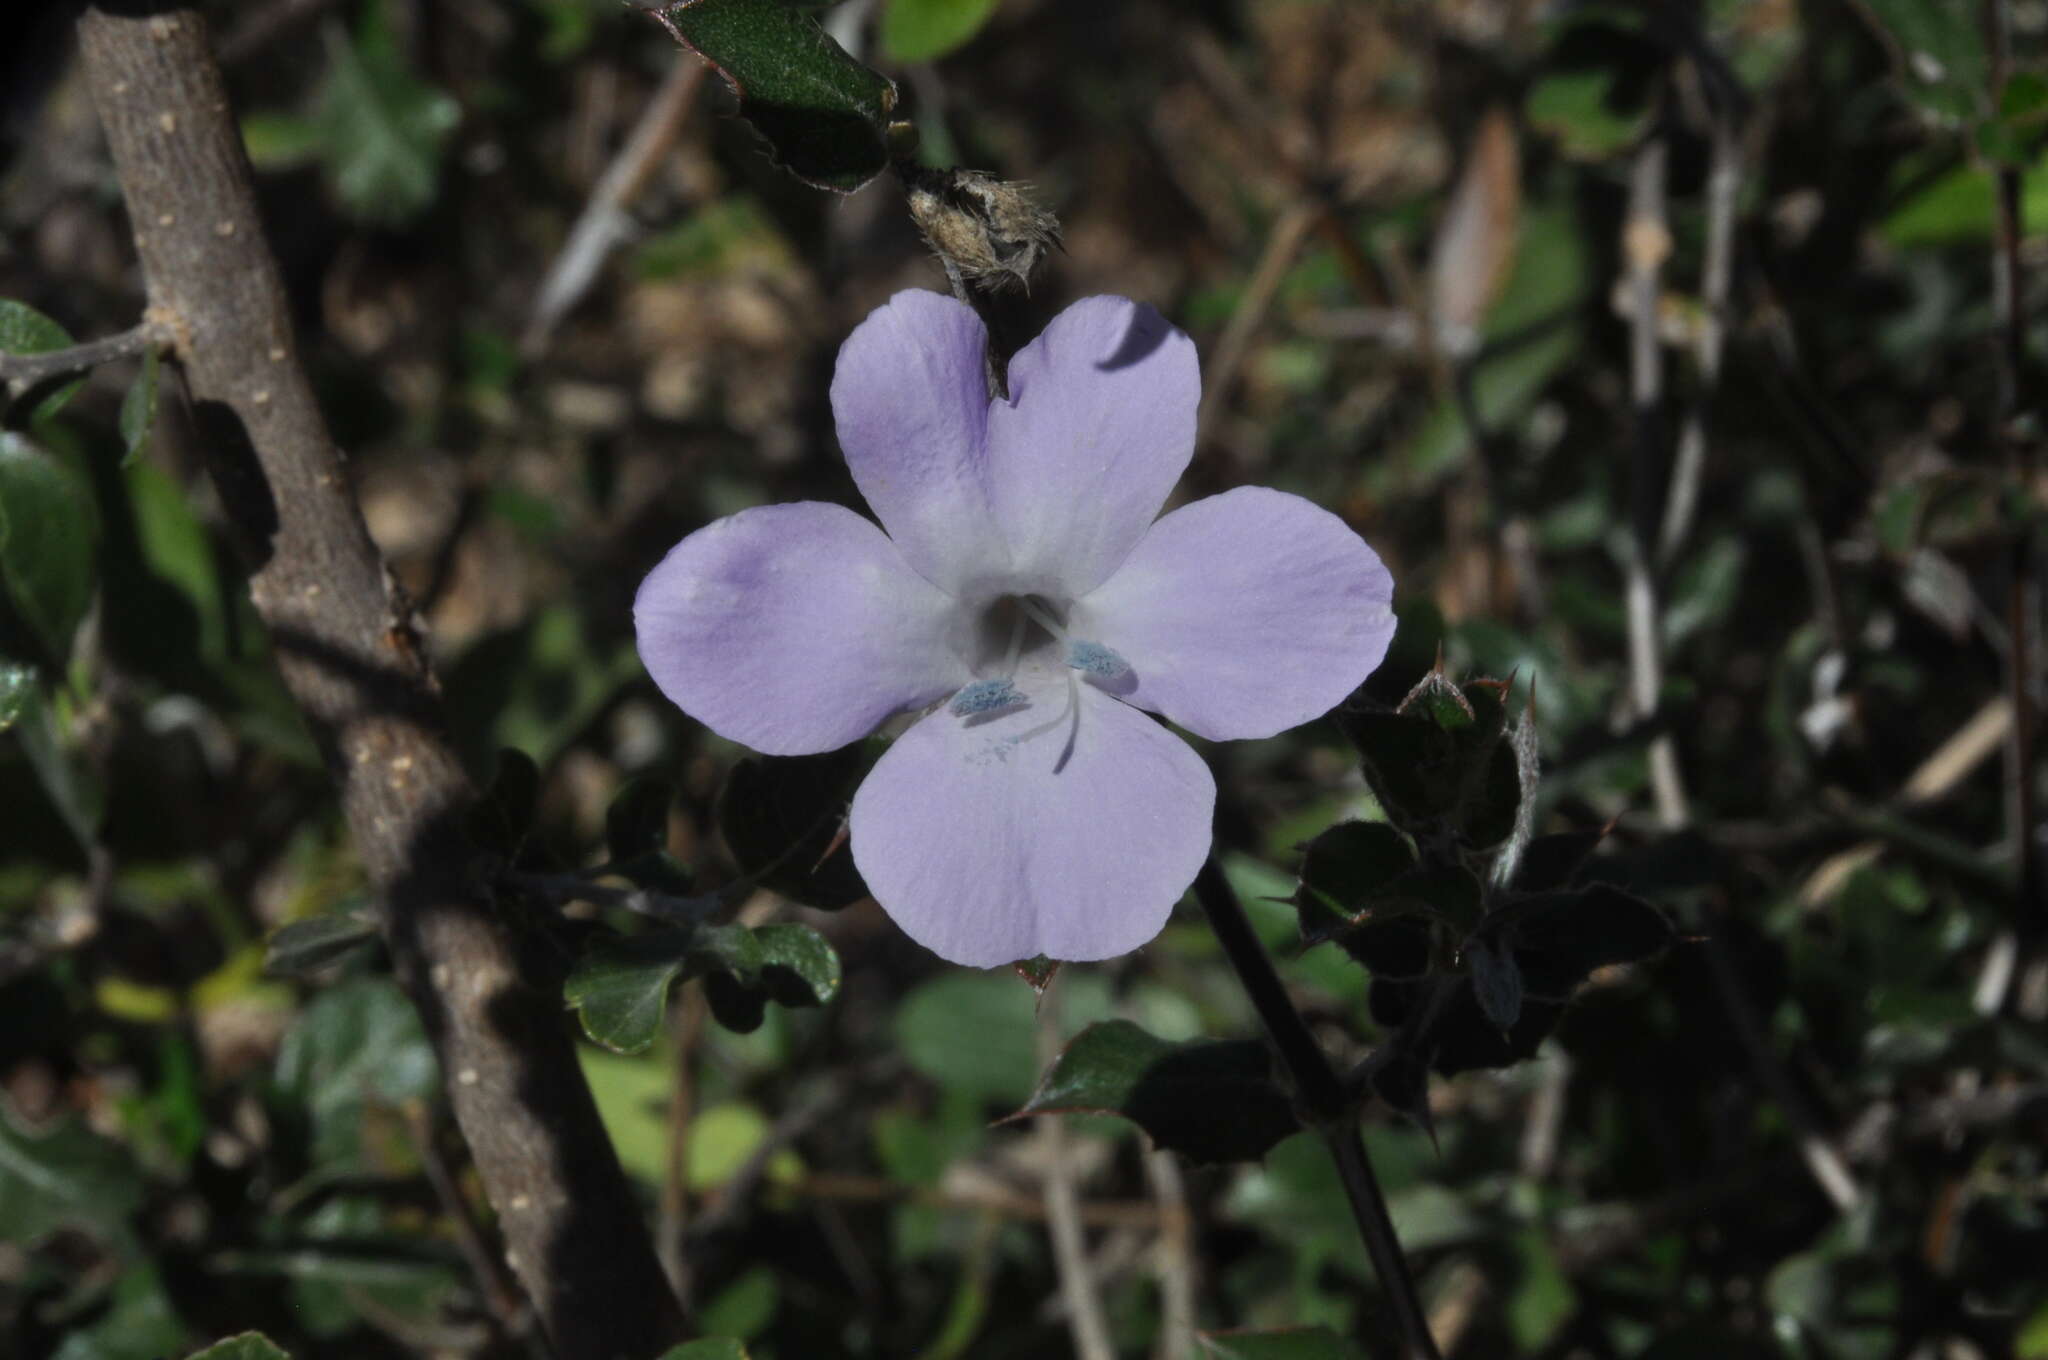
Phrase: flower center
{"type": "Point", "coordinates": [1029, 631]}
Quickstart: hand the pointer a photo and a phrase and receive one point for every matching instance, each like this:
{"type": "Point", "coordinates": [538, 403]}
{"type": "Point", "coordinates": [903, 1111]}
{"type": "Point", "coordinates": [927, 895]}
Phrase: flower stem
{"type": "Point", "coordinates": [1322, 1097]}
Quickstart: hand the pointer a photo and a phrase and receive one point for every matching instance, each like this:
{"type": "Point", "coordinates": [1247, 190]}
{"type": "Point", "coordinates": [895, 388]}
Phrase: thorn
{"type": "Point", "coordinates": [839, 838]}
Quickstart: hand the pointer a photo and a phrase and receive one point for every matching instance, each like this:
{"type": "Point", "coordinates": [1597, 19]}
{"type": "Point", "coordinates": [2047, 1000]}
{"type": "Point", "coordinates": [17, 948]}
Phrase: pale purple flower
{"type": "Point", "coordinates": [1020, 590]}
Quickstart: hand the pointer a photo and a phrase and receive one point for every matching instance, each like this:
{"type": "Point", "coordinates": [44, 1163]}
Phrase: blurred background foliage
{"type": "Point", "coordinates": [1399, 232]}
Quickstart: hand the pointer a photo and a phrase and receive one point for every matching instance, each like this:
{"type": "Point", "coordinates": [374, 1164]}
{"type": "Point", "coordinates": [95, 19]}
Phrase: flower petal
{"type": "Point", "coordinates": [1099, 426]}
{"type": "Point", "coordinates": [1244, 614]}
{"type": "Point", "coordinates": [794, 629]}
{"type": "Point", "coordinates": [986, 847]}
{"type": "Point", "coordinates": [910, 398]}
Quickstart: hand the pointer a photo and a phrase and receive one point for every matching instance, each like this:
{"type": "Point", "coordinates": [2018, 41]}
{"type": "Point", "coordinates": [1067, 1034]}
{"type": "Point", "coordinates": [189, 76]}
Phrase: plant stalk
{"type": "Point", "coordinates": [1322, 1098]}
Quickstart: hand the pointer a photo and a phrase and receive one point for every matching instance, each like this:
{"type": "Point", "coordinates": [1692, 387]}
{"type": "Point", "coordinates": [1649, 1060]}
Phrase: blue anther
{"type": "Point", "coordinates": [1093, 658]}
{"type": "Point", "coordinates": [985, 696]}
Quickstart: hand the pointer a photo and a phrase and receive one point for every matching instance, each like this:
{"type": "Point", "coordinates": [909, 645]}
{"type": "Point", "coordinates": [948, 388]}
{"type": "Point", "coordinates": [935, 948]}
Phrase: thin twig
{"type": "Point", "coordinates": [501, 1296]}
{"type": "Point", "coordinates": [605, 223]}
{"type": "Point", "coordinates": [23, 371]}
{"type": "Point", "coordinates": [1823, 1159]}
{"type": "Point", "coordinates": [1320, 1094]}
{"type": "Point", "coordinates": [1283, 245]}
{"type": "Point", "coordinates": [2022, 600]}
{"type": "Point", "coordinates": [1646, 244]}
{"type": "Point", "coordinates": [1724, 181]}
{"type": "Point", "coordinates": [672, 1232]}
{"type": "Point", "coordinates": [1173, 1258]}
{"type": "Point", "coordinates": [1086, 1322]}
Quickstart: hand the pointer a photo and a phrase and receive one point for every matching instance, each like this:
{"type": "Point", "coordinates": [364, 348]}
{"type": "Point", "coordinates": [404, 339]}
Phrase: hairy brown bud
{"type": "Point", "coordinates": [989, 233]}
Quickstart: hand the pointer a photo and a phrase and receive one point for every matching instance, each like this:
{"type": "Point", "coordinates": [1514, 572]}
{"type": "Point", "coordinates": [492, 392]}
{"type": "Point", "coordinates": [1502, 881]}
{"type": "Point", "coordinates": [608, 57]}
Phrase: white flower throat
{"type": "Point", "coordinates": [1016, 629]}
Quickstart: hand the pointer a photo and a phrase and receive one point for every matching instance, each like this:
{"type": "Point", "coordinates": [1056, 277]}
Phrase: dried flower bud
{"type": "Point", "coordinates": [988, 232]}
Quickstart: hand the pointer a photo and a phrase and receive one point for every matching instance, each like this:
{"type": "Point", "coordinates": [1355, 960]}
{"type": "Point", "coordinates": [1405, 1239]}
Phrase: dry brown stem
{"type": "Point", "coordinates": [352, 657]}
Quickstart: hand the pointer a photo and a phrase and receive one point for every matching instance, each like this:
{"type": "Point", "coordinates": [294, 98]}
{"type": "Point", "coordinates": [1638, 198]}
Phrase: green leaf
{"type": "Point", "coordinates": [1496, 981]}
{"type": "Point", "coordinates": [247, 1346]}
{"type": "Point", "coordinates": [973, 1034]}
{"type": "Point", "coordinates": [138, 408]}
{"type": "Point", "coordinates": [17, 690]}
{"type": "Point", "coordinates": [1941, 53]}
{"type": "Point", "coordinates": [305, 947]}
{"type": "Point", "coordinates": [1442, 765]}
{"type": "Point", "coordinates": [1343, 870]}
{"type": "Point", "coordinates": [24, 330]}
{"type": "Point", "coordinates": [821, 112]}
{"type": "Point", "coordinates": [141, 1324]}
{"type": "Point", "coordinates": [76, 792]}
{"type": "Point", "coordinates": [636, 823]}
{"type": "Point", "coordinates": [707, 1348]}
{"type": "Point", "coordinates": [1582, 110]}
{"type": "Point", "coordinates": [65, 1177]}
{"type": "Point", "coordinates": [382, 128]}
{"type": "Point", "coordinates": [1553, 861]}
{"type": "Point", "coordinates": [782, 817]}
{"type": "Point", "coordinates": [358, 1045]}
{"type": "Point", "coordinates": [620, 987]}
{"type": "Point", "coordinates": [923, 30]}
{"type": "Point", "coordinates": [49, 535]}
{"type": "Point", "coordinates": [1212, 1101]}
{"type": "Point", "coordinates": [1283, 1343]}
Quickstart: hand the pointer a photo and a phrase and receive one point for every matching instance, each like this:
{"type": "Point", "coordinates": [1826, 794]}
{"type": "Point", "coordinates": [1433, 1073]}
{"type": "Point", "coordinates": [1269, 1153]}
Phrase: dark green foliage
{"type": "Point", "coordinates": [49, 532]}
{"type": "Point", "coordinates": [821, 112]}
{"type": "Point", "coordinates": [1286, 1343]}
{"type": "Point", "coordinates": [310, 946]}
{"type": "Point", "coordinates": [1211, 1101]}
{"type": "Point", "coordinates": [621, 986]}
{"type": "Point", "coordinates": [24, 330]}
{"type": "Point", "coordinates": [195, 1147]}
{"type": "Point", "coordinates": [784, 819]}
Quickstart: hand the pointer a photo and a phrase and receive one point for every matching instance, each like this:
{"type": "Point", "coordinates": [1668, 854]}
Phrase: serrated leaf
{"type": "Point", "coordinates": [49, 535]}
{"type": "Point", "coordinates": [1284, 1343]}
{"type": "Point", "coordinates": [247, 1346]}
{"type": "Point", "coordinates": [636, 823]}
{"type": "Point", "coordinates": [1037, 971]}
{"type": "Point", "coordinates": [308, 946]}
{"type": "Point", "coordinates": [1213, 1101]}
{"type": "Point", "coordinates": [138, 408]}
{"type": "Point", "coordinates": [1552, 861]}
{"type": "Point", "coordinates": [1438, 700]}
{"type": "Point", "coordinates": [66, 1176]}
{"type": "Point", "coordinates": [1343, 870]}
{"type": "Point", "coordinates": [924, 30]}
{"type": "Point", "coordinates": [382, 128]}
{"type": "Point", "coordinates": [1554, 942]}
{"type": "Point", "coordinates": [1561, 938]}
{"type": "Point", "coordinates": [620, 987]}
{"type": "Point", "coordinates": [821, 112]}
{"type": "Point", "coordinates": [24, 330]}
{"type": "Point", "coordinates": [782, 818]}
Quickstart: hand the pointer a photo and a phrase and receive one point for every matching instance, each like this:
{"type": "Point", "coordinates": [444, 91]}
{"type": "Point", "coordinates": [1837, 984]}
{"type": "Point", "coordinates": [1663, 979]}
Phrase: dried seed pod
{"type": "Point", "coordinates": [988, 232]}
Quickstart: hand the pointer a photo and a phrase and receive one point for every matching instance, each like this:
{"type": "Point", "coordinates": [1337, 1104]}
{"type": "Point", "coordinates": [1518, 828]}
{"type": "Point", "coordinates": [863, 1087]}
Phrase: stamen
{"type": "Point", "coordinates": [1043, 617]}
{"type": "Point", "coordinates": [1016, 643]}
{"type": "Point", "coordinates": [985, 696]}
{"type": "Point", "coordinates": [1097, 660]}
